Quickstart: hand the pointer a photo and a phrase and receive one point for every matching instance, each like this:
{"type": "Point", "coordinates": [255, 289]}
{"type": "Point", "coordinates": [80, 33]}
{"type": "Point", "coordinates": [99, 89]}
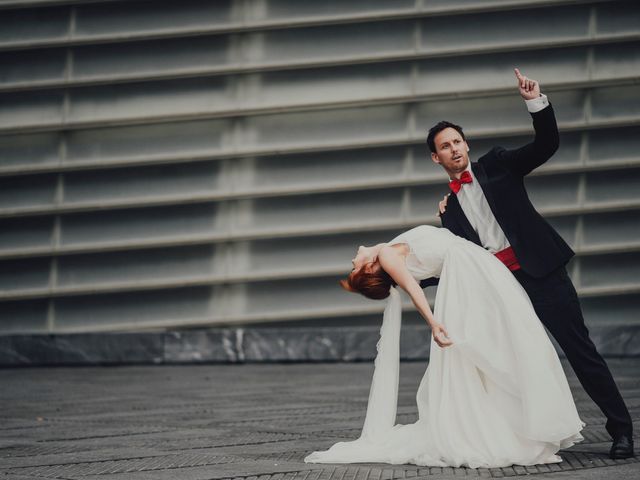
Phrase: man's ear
{"type": "Point", "coordinates": [434, 157]}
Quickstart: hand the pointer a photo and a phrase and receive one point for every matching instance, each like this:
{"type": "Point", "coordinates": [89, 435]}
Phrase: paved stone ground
{"type": "Point", "coordinates": [244, 421]}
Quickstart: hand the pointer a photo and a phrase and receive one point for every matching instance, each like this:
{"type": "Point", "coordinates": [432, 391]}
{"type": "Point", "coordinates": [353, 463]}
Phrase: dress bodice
{"type": "Point", "coordinates": [428, 246]}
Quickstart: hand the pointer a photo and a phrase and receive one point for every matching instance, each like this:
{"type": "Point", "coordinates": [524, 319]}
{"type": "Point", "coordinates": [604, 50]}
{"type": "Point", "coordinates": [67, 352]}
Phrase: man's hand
{"type": "Point", "coordinates": [529, 89]}
{"type": "Point", "coordinates": [442, 206]}
{"type": "Point", "coordinates": [440, 335]}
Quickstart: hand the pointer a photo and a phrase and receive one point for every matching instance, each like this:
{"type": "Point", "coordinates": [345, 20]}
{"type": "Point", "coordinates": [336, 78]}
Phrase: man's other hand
{"type": "Point", "coordinates": [442, 206]}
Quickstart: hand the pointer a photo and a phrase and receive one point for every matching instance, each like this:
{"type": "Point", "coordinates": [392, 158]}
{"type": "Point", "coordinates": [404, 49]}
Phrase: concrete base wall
{"type": "Point", "coordinates": [254, 344]}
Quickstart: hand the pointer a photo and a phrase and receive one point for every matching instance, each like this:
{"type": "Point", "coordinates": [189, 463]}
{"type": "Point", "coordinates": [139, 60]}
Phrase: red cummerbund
{"type": "Point", "coordinates": [508, 257]}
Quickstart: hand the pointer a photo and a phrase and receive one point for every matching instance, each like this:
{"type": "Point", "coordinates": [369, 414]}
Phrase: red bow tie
{"type": "Point", "coordinates": [456, 184]}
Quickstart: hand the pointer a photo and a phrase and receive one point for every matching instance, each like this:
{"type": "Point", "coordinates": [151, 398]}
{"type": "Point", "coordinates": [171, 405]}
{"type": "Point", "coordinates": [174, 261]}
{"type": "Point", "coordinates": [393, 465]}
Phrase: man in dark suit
{"type": "Point", "coordinates": [489, 205]}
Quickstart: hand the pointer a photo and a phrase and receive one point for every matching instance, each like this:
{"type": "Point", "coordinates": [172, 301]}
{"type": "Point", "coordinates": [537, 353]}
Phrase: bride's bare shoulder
{"type": "Point", "coordinates": [399, 249]}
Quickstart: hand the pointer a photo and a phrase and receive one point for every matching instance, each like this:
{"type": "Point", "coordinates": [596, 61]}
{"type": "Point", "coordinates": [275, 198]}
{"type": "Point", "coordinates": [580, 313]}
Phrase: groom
{"type": "Point", "coordinates": [488, 205]}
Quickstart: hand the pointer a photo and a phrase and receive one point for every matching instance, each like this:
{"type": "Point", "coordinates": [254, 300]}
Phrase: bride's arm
{"type": "Point", "coordinates": [394, 265]}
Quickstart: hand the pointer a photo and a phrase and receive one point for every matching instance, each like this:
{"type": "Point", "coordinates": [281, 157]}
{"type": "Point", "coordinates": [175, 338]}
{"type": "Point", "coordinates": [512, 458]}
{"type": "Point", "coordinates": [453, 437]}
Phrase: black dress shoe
{"type": "Point", "coordinates": [622, 447]}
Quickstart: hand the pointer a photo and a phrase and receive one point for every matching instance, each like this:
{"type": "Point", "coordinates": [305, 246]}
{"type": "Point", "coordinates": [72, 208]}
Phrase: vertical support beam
{"type": "Point", "coordinates": [587, 107]}
{"type": "Point", "coordinates": [408, 167]}
{"type": "Point", "coordinates": [592, 29]}
{"type": "Point", "coordinates": [51, 314]}
{"type": "Point", "coordinates": [68, 70]}
{"type": "Point", "coordinates": [69, 60]}
{"type": "Point", "coordinates": [411, 120]}
{"type": "Point", "coordinates": [584, 149]}
{"type": "Point", "coordinates": [405, 207]}
{"type": "Point", "coordinates": [73, 18]}
{"type": "Point", "coordinates": [58, 198]}
{"type": "Point", "coordinates": [237, 11]}
{"type": "Point", "coordinates": [255, 10]}
{"type": "Point", "coordinates": [415, 68]}
{"type": "Point", "coordinates": [66, 106]}
{"type": "Point", "coordinates": [405, 210]}
{"type": "Point", "coordinates": [53, 276]}
{"type": "Point", "coordinates": [417, 35]}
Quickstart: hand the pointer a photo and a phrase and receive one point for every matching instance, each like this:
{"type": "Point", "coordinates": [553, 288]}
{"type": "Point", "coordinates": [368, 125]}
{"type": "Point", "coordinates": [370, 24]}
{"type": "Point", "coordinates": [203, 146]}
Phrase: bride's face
{"type": "Point", "coordinates": [364, 256]}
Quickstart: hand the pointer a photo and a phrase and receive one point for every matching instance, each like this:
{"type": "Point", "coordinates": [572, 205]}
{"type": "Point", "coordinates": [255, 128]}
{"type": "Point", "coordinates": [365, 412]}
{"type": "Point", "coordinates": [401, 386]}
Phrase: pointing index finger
{"type": "Point", "coordinates": [518, 74]}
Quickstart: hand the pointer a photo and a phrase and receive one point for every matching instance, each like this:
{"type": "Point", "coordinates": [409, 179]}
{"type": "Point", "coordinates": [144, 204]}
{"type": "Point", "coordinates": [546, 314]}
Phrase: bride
{"type": "Point", "coordinates": [494, 393]}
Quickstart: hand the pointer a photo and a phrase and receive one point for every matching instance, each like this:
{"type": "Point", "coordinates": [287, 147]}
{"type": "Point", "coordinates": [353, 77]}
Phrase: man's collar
{"type": "Point", "coordinates": [468, 169]}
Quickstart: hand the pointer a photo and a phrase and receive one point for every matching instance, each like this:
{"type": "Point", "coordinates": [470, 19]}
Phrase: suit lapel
{"type": "Point", "coordinates": [454, 212]}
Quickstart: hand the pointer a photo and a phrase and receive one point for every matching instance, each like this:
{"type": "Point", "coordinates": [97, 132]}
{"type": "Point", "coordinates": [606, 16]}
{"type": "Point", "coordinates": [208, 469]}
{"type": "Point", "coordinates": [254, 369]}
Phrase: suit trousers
{"type": "Point", "coordinates": [556, 303]}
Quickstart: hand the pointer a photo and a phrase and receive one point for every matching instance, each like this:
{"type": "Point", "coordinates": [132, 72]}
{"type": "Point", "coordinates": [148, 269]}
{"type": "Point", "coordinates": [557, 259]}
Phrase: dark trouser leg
{"type": "Point", "coordinates": [556, 303]}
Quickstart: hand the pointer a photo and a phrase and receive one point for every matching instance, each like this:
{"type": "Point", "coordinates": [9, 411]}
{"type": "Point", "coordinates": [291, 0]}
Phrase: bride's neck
{"type": "Point", "coordinates": [401, 248]}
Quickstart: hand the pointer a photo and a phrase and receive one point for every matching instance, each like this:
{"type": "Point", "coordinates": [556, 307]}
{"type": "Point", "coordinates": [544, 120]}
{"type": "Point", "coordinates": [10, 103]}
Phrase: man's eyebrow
{"type": "Point", "coordinates": [449, 141]}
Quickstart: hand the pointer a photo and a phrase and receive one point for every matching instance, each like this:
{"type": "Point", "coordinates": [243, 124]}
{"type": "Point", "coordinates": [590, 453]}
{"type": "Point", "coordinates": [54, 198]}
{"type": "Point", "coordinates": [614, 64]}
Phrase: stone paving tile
{"type": "Point", "coordinates": [243, 422]}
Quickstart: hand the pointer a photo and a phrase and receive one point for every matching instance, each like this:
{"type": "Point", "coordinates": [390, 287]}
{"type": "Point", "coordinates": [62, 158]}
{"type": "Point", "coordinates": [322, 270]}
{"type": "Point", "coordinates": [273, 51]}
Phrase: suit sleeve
{"type": "Point", "coordinates": [523, 160]}
{"type": "Point", "coordinates": [429, 282]}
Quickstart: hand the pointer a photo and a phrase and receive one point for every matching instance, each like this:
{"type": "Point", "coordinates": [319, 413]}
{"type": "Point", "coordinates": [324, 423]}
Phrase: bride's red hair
{"type": "Point", "coordinates": [373, 283]}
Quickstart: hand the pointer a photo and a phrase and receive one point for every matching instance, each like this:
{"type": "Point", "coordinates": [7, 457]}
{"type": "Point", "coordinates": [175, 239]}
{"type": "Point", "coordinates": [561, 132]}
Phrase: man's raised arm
{"type": "Point", "coordinates": [546, 141]}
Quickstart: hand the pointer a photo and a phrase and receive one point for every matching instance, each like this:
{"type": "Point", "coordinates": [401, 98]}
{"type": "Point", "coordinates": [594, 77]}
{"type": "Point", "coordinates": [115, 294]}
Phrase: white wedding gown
{"type": "Point", "coordinates": [497, 397]}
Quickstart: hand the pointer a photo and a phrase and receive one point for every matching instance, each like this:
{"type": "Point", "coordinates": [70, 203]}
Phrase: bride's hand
{"type": "Point", "coordinates": [440, 335]}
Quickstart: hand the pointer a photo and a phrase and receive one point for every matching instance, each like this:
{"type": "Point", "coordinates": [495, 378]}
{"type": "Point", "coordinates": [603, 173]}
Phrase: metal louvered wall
{"type": "Point", "coordinates": [199, 162]}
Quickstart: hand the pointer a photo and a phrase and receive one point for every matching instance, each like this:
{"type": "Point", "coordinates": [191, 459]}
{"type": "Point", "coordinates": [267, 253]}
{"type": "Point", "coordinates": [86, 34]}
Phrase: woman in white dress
{"type": "Point", "coordinates": [494, 393]}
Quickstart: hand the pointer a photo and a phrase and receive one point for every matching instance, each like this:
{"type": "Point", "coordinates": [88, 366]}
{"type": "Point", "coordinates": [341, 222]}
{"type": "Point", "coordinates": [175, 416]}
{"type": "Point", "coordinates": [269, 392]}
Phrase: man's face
{"type": "Point", "coordinates": [452, 152]}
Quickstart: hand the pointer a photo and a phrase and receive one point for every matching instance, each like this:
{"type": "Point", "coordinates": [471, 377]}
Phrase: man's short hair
{"type": "Point", "coordinates": [437, 128]}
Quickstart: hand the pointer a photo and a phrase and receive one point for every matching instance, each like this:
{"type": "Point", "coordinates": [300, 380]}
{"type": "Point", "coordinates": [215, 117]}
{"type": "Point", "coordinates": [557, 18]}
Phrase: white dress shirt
{"type": "Point", "coordinates": [475, 206]}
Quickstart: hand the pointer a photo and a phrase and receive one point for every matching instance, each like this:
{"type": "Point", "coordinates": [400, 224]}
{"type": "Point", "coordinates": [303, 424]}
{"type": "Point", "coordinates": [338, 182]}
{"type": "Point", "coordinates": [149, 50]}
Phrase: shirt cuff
{"type": "Point", "coordinates": [536, 104]}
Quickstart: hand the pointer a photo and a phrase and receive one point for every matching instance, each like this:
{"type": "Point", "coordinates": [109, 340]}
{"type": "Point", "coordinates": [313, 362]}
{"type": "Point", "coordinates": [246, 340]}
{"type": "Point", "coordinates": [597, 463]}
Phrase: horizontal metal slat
{"type": "Point", "coordinates": [295, 314]}
{"type": "Point", "coordinates": [403, 180]}
{"type": "Point", "coordinates": [244, 68]}
{"type": "Point", "coordinates": [411, 138]}
{"type": "Point", "coordinates": [288, 23]}
{"type": "Point", "coordinates": [234, 235]}
{"type": "Point", "coordinates": [293, 107]}
{"type": "Point", "coordinates": [275, 275]}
